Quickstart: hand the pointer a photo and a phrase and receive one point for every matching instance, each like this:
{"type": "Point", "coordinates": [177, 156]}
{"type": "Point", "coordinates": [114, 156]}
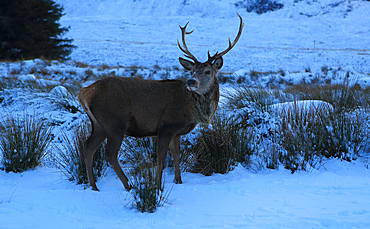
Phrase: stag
{"type": "Point", "coordinates": [167, 109]}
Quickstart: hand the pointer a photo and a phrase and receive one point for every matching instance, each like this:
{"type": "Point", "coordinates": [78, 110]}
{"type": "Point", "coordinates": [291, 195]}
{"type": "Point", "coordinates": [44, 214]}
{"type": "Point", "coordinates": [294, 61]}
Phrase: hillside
{"type": "Point", "coordinates": [303, 34]}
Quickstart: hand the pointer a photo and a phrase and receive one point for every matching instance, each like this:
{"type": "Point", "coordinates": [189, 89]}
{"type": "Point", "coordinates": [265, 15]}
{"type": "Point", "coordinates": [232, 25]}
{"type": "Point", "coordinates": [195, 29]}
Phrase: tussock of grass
{"type": "Point", "coordinates": [140, 156]}
{"type": "Point", "coordinates": [309, 134]}
{"type": "Point", "coordinates": [24, 142]}
{"type": "Point", "coordinates": [242, 95]}
{"type": "Point", "coordinates": [66, 100]}
{"type": "Point", "coordinates": [148, 193]}
{"type": "Point", "coordinates": [220, 146]}
{"type": "Point", "coordinates": [70, 158]}
{"type": "Point", "coordinates": [137, 150]}
{"type": "Point", "coordinates": [300, 137]}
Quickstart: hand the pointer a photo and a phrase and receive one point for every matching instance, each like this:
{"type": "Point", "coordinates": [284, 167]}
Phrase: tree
{"type": "Point", "coordinates": [30, 29]}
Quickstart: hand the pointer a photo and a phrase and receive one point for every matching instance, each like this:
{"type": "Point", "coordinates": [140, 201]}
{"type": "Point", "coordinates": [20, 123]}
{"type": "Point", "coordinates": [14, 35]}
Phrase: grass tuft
{"type": "Point", "coordinates": [24, 142]}
{"type": "Point", "coordinates": [70, 158]}
{"type": "Point", "coordinates": [148, 193]}
{"type": "Point", "coordinates": [220, 146]}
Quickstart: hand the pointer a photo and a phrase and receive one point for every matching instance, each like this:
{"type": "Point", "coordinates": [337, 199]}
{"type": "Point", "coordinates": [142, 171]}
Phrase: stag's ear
{"type": "Point", "coordinates": [188, 65]}
{"type": "Point", "coordinates": [217, 64]}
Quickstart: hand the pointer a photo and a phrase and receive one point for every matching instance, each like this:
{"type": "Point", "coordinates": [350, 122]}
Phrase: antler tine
{"type": "Point", "coordinates": [185, 49]}
{"type": "Point", "coordinates": [231, 45]}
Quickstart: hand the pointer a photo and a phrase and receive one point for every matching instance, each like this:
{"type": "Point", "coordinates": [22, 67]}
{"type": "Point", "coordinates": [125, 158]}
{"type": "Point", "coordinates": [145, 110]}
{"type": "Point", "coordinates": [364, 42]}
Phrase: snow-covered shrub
{"type": "Point", "coordinates": [345, 134]}
{"type": "Point", "coordinates": [65, 99]}
{"type": "Point", "coordinates": [24, 142]}
{"type": "Point", "coordinates": [301, 137]}
{"type": "Point", "coordinates": [136, 150]}
{"type": "Point", "coordinates": [308, 134]}
{"type": "Point", "coordinates": [70, 158]}
{"type": "Point", "coordinates": [339, 132]}
{"type": "Point", "coordinates": [139, 154]}
{"type": "Point", "coordinates": [219, 146]}
{"type": "Point", "coordinates": [148, 193]}
{"type": "Point", "coordinates": [249, 108]}
{"type": "Point", "coordinates": [300, 134]}
{"type": "Point", "coordinates": [243, 96]}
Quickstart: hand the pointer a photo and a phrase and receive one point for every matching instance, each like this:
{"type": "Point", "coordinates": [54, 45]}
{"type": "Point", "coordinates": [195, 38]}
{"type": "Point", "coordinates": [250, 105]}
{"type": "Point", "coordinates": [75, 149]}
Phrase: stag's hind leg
{"type": "Point", "coordinates": [111, 155]}
{"type": "Point", "coordinates": [96, 138]}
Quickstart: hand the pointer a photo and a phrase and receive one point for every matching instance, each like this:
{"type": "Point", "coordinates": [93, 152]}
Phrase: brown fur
{"type": "Point", "coordinates": [139, 108]}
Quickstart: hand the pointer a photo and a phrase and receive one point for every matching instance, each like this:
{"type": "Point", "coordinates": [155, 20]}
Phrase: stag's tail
{"type": "Point", "coordinates": [84, 97]}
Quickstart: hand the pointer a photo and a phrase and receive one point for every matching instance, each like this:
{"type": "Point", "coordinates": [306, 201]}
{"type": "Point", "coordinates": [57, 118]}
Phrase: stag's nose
{"type": "Point", "coordinates": [192, 84]}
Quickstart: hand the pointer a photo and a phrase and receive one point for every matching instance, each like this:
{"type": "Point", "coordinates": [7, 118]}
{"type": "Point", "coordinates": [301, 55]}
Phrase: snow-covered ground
{"type": "Point", "coordinates": [337, 196]}
{"type": "Point", "coordinates": [303, 35]}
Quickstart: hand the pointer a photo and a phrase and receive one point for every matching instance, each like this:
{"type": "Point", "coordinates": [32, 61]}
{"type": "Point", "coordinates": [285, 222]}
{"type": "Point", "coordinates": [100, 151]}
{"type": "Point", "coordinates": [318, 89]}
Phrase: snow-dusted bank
{"type": "Point", "coordinates": [301, 40]}
{"type": "Point", "coordinates": [336, 196]}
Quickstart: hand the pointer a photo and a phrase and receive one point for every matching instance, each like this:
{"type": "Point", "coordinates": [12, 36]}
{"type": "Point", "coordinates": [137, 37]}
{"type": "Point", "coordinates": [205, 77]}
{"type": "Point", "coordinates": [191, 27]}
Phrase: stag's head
{"type": "Point", "coordinates": [203, 75]}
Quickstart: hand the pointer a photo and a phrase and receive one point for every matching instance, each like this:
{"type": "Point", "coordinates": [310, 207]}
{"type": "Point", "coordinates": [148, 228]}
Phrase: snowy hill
{"type": "Point", "coordinates": [303, 34]}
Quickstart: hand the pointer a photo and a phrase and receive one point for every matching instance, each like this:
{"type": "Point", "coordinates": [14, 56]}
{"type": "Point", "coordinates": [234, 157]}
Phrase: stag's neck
{"type": "Point", "coordinates": [205, 105]}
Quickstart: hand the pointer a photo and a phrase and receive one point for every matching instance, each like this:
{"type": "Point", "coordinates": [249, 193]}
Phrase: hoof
{"type": "Point", "coordinates": [128, 188]}
{"type": "Point", "coordinates": [177, 181]}
{"type": "Point", "coordinates": [94, 188]}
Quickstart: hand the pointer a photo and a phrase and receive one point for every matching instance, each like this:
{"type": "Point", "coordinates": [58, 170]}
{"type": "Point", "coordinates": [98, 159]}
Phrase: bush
{"type": "Point", "coordinates": [219, 147]}
{"type": "Point", "coordinates": [249, 109]}
{"type": "Point", "coordinates": [307, 135]}
{"type": "Point", "coordinates": [71, 160]}
{"type": "Point", "coordinates": [30, 29]}
{"type": "Point", "coordinates": [66, 100]}
{"type": "Point", "coordinates": [135, 150]}
{"type": "Point", "coordinates": [148, 193]}
{"type": "Point", "coordinates": [301, 137]}
{"type": "Point", "coordinates": [23, 142]}
{"type": "Point", "coordinates": [344, 134]}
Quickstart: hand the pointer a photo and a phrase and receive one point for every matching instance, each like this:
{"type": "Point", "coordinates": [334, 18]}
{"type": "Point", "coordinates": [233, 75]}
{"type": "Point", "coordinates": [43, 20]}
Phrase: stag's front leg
{"type": "Point", "coordinates": [164, 139]}
{"type": "Point", "coordinates": [175, 151]}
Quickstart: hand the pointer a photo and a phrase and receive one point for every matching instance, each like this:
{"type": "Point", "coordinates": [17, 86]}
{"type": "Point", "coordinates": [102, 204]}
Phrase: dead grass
{"type": "Point", "coordinates": [341, 96]}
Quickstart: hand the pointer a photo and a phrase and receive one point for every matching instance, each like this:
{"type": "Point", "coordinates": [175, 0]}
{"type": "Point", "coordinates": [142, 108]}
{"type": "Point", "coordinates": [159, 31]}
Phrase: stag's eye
{"type": "Point", "coordinates": [208, 72]}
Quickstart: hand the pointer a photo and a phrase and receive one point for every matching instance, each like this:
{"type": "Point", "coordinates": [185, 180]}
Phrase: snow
{"type": "Point", "coordinates": [145, 33]}
{"type": "Point", "coordinates": [305, 105]}
{"type": "Point", "coordinates": [334, 197]}
{"type": "Point", "coordinates": [303, 35]}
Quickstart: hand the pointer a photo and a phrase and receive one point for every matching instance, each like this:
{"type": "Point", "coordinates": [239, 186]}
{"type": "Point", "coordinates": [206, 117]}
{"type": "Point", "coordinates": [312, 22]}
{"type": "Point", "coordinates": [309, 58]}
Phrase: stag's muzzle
{"type": "Point", "coordinates": [192, 84]}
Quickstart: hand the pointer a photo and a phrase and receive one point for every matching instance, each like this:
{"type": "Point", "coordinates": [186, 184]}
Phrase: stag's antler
{"type": "Point", "coordinates": [217, 55]}
{"type": "Point", "coordinates": [231, 45]}
{"type": "Point", "coordinates": [185, 49]}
